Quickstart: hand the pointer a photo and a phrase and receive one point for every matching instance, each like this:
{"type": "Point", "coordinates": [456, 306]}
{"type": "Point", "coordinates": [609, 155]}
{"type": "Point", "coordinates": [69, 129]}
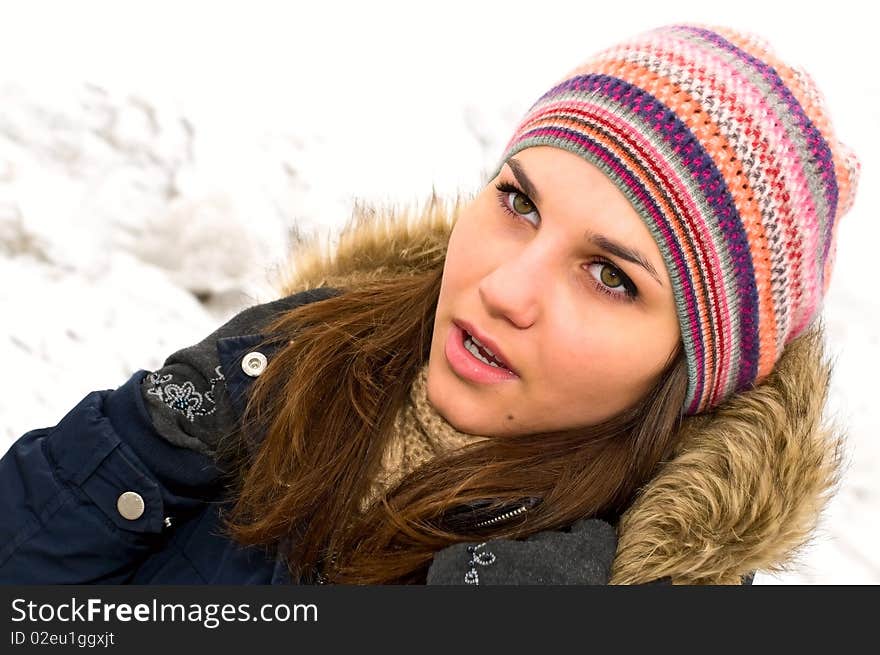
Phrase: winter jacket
{"type": "Point", "coordinates": [125, 489]}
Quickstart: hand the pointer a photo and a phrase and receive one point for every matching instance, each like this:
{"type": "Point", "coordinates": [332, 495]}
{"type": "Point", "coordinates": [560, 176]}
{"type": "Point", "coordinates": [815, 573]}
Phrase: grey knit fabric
{"type": "Point", "coordinates": [187, 399]}
{"type": "Point", "coordinates": [582, 556]}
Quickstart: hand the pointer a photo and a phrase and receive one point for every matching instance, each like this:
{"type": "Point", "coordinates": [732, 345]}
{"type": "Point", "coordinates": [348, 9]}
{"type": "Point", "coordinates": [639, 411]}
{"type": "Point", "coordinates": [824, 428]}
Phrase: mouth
{"type": "Point", "coordinates": [483, 347]}
{"type": "Point", "coordinates": [471, 363]}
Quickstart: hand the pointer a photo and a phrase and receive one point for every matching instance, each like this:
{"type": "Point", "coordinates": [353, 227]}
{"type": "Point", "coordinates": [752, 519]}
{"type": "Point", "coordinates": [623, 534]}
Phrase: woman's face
{"type": "Point", "coordinates": [541, 268]}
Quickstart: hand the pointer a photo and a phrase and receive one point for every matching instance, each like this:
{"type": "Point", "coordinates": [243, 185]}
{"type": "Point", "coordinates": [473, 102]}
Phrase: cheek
{"type": "Point", "coordinates": [633, 357]}
{"type": "Point", "coordinates": [465, 235]}
{"type": "Point", "coordinates": [608, 356]}
{"type": "Point", "coordinates": [465, 256]}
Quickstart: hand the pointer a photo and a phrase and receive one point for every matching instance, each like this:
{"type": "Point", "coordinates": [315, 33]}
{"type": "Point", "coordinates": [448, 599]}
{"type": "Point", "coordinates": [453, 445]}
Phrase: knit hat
{"type": "Point", "coordinates": [728, 155]}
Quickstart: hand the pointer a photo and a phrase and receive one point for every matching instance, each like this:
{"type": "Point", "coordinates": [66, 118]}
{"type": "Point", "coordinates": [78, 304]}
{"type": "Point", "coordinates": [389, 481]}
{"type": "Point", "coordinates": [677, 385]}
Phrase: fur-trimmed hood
{"type": "Point", "coordinates": [747, 484]}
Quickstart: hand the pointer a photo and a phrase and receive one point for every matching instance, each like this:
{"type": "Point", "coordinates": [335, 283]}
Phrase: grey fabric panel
{"type": "Point", "coordinates": [187, 399]}
{"type": "Point", "coordinates": [582, 556]}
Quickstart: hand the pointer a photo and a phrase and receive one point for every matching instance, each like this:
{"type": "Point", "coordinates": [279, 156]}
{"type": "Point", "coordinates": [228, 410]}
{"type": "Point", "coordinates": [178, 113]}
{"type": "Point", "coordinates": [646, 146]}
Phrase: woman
{"type": "Point", "coordinates": [606, 367]}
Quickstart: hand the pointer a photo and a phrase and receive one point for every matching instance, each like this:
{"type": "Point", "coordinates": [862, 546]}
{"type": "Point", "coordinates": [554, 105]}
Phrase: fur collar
{"type": "Point", "coordinates": [746, 487]}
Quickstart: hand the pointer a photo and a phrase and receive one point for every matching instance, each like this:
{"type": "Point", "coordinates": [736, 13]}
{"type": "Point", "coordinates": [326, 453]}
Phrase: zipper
{"type": "Point", "coordinates": [502, 517]}
{"type": "Point", "coordinates": [509, 514]}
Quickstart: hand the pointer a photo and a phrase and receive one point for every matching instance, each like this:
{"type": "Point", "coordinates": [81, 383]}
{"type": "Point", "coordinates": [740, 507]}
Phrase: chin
{"type": "Point", "coordinates": [450, 416]}
{"type": "Point", "coordinates": [461, 426]}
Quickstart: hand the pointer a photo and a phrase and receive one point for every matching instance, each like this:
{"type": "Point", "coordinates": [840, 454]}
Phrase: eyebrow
{"type": "Point", "coordinates": [619, 250]}
{"type": "Point", "coordinates": [599, 240]}
{"type": "Point", "coordinates": [524, 180]}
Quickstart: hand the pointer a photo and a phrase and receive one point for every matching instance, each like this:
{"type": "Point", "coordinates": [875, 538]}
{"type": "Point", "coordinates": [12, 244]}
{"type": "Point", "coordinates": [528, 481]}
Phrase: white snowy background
{"type": "Point", "coordinates": [156, 159]}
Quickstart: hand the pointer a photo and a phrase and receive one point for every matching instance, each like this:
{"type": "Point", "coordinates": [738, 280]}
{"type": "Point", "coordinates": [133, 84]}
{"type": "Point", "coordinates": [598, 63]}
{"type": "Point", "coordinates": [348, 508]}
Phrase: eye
{"type": "Point", "coordinates": [612, 281]}
{"type": "Point", "coordinates": [514, 201]}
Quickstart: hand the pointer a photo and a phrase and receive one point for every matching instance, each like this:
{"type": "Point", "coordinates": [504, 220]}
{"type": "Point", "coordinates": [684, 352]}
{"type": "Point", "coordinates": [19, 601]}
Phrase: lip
{"type": "Point", "coordinates": [468, 366]}
{"type": "Point", "coordinates": [486, 341]}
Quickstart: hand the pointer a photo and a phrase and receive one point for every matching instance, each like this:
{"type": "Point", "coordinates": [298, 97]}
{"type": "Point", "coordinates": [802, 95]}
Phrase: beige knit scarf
{"type": "Point", "coordinates": [420, 434]}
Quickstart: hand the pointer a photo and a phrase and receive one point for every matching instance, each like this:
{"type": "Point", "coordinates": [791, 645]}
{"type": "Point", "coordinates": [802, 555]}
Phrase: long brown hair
{"type": "Point", "coordinates": [325, 407]}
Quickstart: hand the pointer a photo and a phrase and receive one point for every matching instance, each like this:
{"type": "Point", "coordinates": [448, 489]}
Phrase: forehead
{"type": "Point", "coordinates": [568, 186]}
{"type": "Point", "coordinates": [571, 192]}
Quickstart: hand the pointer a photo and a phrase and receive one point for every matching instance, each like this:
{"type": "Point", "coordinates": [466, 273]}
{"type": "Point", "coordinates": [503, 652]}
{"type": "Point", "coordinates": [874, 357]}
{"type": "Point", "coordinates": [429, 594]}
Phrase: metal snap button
{"type": "Point", "coordinates": [254, 363]}
{"type": "Point", "coordinates": [130, 505]}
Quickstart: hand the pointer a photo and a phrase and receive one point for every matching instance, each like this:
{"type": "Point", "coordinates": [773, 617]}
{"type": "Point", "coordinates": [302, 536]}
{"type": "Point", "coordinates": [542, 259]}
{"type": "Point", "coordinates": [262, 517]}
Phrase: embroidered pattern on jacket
{"type": "Point", "coordinates": [184, 398]}
{"type": "Point", "coordinates": [483, 558]}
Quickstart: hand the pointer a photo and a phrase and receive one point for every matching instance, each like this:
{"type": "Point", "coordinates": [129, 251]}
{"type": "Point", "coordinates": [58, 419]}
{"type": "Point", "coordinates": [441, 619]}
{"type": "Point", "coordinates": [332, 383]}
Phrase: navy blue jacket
{"type": "Point", "coordinates": [60, 488]}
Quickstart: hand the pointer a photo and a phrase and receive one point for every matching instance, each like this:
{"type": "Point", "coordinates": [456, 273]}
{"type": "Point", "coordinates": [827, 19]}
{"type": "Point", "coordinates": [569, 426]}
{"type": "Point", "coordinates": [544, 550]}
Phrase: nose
{"type": "Point", "coordinates": [515, 288]}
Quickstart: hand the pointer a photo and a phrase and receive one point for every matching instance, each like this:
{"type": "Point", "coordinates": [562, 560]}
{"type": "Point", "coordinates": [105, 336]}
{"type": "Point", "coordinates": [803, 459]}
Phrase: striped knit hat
{"type": "Point", "coordinates": [728, 155]}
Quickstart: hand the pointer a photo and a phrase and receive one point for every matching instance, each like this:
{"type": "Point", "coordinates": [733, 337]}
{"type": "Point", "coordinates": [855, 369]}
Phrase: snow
{"type": "Point", "coordinates": [154, 167]}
